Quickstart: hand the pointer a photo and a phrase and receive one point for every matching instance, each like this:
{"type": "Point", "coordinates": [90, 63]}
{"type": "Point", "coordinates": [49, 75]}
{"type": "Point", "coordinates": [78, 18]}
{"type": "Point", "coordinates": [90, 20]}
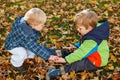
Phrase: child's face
{"type": "Point", "coordinates": [83, 30]}
{"type": "Point", "coordinates": [38, 27]}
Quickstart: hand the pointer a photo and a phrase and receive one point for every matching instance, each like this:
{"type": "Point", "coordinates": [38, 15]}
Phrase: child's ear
{"type": "Point", "coordinates": [90, 27]}
{"type": "Point", "coordinates": [32, 25]}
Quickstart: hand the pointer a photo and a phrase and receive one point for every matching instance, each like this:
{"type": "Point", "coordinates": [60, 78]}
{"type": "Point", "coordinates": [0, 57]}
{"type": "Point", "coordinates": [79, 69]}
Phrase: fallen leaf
{"type": "Point", "coordinates": [72, 75]}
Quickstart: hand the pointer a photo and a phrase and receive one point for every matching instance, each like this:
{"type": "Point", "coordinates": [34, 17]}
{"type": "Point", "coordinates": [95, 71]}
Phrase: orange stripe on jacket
{"type": "Point", "coordinates": [95, 59]}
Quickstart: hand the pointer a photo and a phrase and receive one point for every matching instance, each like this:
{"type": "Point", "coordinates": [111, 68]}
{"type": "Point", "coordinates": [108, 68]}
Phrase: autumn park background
{"type": "Point", "coordinates": [60, 32]}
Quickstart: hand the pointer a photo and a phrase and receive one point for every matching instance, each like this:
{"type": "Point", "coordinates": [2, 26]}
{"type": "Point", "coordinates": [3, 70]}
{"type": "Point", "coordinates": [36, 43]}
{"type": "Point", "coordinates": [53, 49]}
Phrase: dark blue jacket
{"type": "Point", "coordinates": [99, 33]}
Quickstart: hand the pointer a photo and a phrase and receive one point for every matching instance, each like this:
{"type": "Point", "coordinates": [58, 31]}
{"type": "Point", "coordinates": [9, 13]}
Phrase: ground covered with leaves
{"type": "Point", "coordinates": [60, 32]}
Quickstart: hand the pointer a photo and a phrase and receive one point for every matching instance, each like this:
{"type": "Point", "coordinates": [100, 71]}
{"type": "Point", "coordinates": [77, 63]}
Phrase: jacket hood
{"type": "Point", "coordinates": [99, 33]}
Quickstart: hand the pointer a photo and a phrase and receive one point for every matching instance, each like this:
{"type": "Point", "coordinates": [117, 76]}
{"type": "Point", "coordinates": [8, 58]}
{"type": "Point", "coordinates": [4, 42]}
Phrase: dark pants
{"type": "Point", "coordinates": [80, 65]}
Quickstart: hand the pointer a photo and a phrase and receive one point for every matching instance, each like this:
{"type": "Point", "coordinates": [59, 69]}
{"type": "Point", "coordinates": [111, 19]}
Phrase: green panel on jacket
{"type": "Point", "coordinates": [103, 49]}
{"type": "Point", "coordinates": [83, 50]}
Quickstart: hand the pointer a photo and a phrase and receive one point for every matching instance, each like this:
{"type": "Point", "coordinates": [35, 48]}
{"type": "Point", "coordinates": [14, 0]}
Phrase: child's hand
{"type": "Point", "coordinates": [53, 58]}
{"type": "Point", "coordinates": [71, 49]}
{"type": "Point", "coordinates": [60, 60]}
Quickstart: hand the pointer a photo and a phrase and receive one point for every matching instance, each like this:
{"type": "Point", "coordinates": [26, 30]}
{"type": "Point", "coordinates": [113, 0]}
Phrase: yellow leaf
{"type": "Point", "coordinates": [106, 13]}
{"type": "Point", "coordinates": [61, 12]}
{"type": "Point", "coordinates": [71, 17]}
{"type": "Point", "coordinates": [83, 75]}
{"type": "Point", "coordinates": [10, 78]}
{"type": "Point", "coordinates": [106, 5]}
{"type": "Point", "coordinates": [54, 41]}
{"type": "Point", "coordinates": [45, 30]}
{"type": "Point", "coordinates": [113, 58]}
{"type": "Point", "coordinates": [94, 2]}
{"type": "Point", "coordinates": [96, 78]}
{"type": "Point", "coordinates": [75, 40]}
{"type": "Point", "coordinates": [72, 74]}
{"type": "Point", "coordinates": [47, 6]}
{"type": "Point", "coordinates": [69, 37]}
{"type": "Point", "coordinates": [110, 66]}
{"type": "Point", "coordinates": [110, 9]}
{"type": "Point", "coordinates": [38, 41]}
{"type": "Point", "coordinates": [51, 28]}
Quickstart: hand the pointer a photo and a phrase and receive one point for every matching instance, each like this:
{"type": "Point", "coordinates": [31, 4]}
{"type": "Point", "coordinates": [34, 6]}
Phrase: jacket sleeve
{"type": "Point", "coordinates": [31, 44]}
{"type": "Point", "coordinates": [87, 48]}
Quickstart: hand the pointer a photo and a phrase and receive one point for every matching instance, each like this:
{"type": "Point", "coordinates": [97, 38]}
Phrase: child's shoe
{"type": "Point", "coordinates": [52, 74]}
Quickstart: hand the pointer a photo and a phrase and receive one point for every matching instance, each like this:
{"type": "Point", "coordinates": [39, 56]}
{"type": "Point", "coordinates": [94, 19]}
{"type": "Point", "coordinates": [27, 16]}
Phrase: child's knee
{"type": "Point", "coordinates": [22, 55]}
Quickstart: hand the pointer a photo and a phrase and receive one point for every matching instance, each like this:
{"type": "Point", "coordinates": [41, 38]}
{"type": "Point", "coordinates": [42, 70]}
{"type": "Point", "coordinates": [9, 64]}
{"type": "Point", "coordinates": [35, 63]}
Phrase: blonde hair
{"type": "Point", "coordinates": [35, 16]}
{"type": "Point", "coordinates": [86, 18]}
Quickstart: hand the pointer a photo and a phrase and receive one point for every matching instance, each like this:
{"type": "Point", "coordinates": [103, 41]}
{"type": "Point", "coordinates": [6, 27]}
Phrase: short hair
{"type": "Point", "coordinates": [35, 16]}
{"type": "Point", "coordinates": [86, 18]}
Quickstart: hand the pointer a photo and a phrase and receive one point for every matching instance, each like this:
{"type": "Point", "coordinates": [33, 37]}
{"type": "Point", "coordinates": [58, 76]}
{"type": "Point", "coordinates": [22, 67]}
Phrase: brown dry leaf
{"type": "Point", "coordinates": [5, 64]}
{"type": "Point", "coordinates": [63, 5]}
{"type": "Point", "coordinates": [65, 76]}
{"type": "Point", "coordinates": [2, 78]}
{"type": "Point", "coordinates": [59, 45]}
{"type": "Point", "coordinates": [96, 78]}
{"type": "Point", "coordinates": [104, 78]}
{"type": "Point", "coordinates": [50, 45]}
{"type": "Point", "coordinates": [116, 74]}
{"type": "Point", "coordinates": [51, 28]}
{"type": "Point", "coordinates": [43, 72]}
{"type": "Point", "coordinates": [38, 60]}
{"type": "Point", "coordinates": [118, 61]}
{"type": "Point", "coordinates": [1, 59]}
{"type": "Point", "coordinates": [91, 75]}
{"type": "Point", "coordinates": [114, 78]}
{"type": "Point", "coordinates": [19, 77]}
{"type": "Point", "coordinates": [53, 36]}
{"type": "Point", "coordinates": [5, 23]}
{"type": "Point", "coordinates": [1, 15]}
{"type": "Point", "coordinates": [112, 20]}
{"type": "Point", "coordinates": [45, 30]}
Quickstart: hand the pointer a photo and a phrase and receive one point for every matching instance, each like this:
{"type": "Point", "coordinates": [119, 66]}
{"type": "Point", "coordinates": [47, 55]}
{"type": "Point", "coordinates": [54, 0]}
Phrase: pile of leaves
{"type": "Point", "coordinates": [60, 32]}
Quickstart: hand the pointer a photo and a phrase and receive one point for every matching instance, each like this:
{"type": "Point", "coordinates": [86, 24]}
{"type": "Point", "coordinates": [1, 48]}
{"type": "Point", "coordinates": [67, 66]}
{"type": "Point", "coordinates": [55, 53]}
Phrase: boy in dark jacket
{"type": "Point", "coordinates": [21, 41]}
{"type": "Point", "coordinates": [92, 52]}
